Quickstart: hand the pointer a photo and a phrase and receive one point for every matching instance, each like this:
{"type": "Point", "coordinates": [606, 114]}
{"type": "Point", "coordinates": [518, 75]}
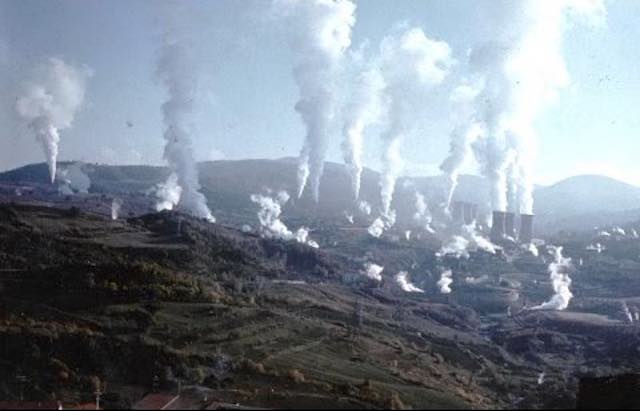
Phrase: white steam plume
{"type": "Point", "coordinates": [456, 246]}
{"type": "Point", "coordinates": [49, 102]}
{"type": "Point", "coordinates": [462, 140]}
{"type": "Point", "coordinates": [627, 312]}
{"type": "Point", "coordinates": [521, 73]}
{"type": "Point", "coordinates": [318, 32]}
{"type": "Point", "coordinates": [178, 74]}
{"type": "Point", "coordinates": [422, 216]}
{"type": "Point", "coordinates": [405, 284]}
{"type": "Point", "coordinates": [382, 224]}
{"type": "Point", "coordinates": [541, 378]}
{"type": "Point", "coordinates": [116, 205]}
{"type": "Point", "coordinates": [444, 283]}
{"type": "Point", "coordinates": [373, 271]}
{"type": "Point", "coordinates": [468, 239]}
{"type": "Point", "coordinates": [349, 217]}
{"type": "Point", "coordinates": [560, 280]}
{"type": "Point", "coordinates": [363, 109]}
{"type": "Point", "coordinates": [270, 224]}
{"type": "Point", "coordinates": [168, 193]}
{"type": "Point", "coordinates": [364, 207]}
{"type": "Point", "coordinates": [411, 63]}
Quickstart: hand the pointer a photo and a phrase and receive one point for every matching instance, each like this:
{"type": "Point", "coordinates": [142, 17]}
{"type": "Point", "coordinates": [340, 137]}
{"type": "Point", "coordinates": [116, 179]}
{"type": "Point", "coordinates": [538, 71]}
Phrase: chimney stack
{"type": "Point", "coordinates": [526, 228]}
{"type": "Point", "coordinates": [510, 224]}
{"type": "Point", "coordinates": [498, 226]}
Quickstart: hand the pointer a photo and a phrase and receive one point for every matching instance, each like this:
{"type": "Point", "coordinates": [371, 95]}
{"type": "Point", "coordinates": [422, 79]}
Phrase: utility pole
{"type": "Point", "coordinates": [22, 381]}
{"type": "Point", "coordinates": [98, 393]}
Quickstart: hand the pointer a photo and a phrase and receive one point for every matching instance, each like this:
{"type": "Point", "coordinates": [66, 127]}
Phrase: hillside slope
{"type": "Point", "coordinates": [86, 298]}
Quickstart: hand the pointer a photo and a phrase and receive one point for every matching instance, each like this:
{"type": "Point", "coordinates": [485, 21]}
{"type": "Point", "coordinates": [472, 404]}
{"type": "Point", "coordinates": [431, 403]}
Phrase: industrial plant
{"type": "Point", "coordinates": [319, 204]}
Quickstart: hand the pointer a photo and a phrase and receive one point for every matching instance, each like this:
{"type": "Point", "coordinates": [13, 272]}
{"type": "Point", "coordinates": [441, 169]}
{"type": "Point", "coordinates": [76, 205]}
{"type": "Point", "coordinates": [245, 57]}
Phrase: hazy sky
{"type": "Point", "coordinates": [247, 92]}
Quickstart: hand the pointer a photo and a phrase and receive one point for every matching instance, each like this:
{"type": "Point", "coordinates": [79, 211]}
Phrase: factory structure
{"type": "Point", "coordinates": [504, 226]}
{"type": "Point", "coordinates": [504, 223]}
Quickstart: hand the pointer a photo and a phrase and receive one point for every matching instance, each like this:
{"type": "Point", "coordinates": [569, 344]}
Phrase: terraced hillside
{"type": "Point", "coordinates": [164, 300]}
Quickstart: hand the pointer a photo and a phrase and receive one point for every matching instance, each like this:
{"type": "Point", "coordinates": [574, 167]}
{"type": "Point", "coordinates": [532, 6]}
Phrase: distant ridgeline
{"type": "Point", "coordinates": [577, 203]}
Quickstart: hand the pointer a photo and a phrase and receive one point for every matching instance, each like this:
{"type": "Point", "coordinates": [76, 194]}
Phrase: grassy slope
{"type": "Point", "coordinates": [124, 301]}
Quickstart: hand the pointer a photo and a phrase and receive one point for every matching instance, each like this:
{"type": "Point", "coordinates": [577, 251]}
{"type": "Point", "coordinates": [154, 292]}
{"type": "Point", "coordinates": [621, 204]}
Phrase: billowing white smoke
{"type": "Point", "coordinates": [364, 207]}
{"type": "Point", "coordinates": [619, 231]}
{"type": "Point", "coordinates": [73, 179]}
{"type": "Point", "coordinates": [531, 248]}
{"type": "Point", "coordinates": [444, 283]}
{"type": "Point", "coordinates": [411, 64]}
{"type": "Point", "coordinates": [318, 32]}
{"type": "Point", "coordinates": [468, 239]}
{"type": "Point", "coordinates": [364, 108]}
{"type": "Point", "coordinates": [302, 236]}
{"type": "Point", "coordinates": [349, 217]}
{"type": "Point", "coordinates": [116, 205]}
{"type": "Point", "coordinates": [520, 73]}
{"type": "Point", "coordinates": [422, 216]}
{"type": "Point", "coordinates": [373, 271]}
{"type": "Point", "coordinates": [405, 284]}
{"type": "Point", "coordinates": [49, 102]}
{"type": "Point", "coordinates": [178, 74]}
{"type": "Point", "coordinates": [627, 312]}
{"type": "Point", "coordinates": [168, 193]}
{"type": "Point", "coordinates": [462, 140]}
{"type": "Point", "coordinates": [270, 224]}
{"type": "Point", "coordinates": [541, 378]}
{"type": "Point", "coordinates": [456, 246]}
{"type": "Point", "coordinates": [560, 280]}
{"type": "Point", "coordinates": [382, 224]}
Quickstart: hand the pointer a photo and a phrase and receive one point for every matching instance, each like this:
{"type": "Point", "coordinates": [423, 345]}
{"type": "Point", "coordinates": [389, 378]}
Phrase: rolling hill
{"type": "Point", "coordinates": [576, 203]}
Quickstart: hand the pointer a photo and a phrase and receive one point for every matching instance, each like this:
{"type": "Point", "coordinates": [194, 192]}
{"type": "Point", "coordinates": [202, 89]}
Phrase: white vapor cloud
{"type": "Point", "coordinates": [49, 102]}
{"type": "Point", "coordinates": [405, 284]}
{"type": "Point", "coordinates": [176, 69]}
{"type": "Point", "coordinates": [271, 226]}
{"type": "Point", "coordinates": [318, 33]}
{"type": "Point", "coordinates": [560, 281]}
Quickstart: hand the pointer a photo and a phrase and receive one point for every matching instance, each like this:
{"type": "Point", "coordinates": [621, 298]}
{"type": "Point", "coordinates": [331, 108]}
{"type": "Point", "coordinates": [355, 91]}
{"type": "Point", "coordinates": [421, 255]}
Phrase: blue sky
{"type": "Point", "coordinates": [247, 93]}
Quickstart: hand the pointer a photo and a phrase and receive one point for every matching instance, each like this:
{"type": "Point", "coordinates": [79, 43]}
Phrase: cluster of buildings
{"type": "Point", "coordinates": [503, 222]}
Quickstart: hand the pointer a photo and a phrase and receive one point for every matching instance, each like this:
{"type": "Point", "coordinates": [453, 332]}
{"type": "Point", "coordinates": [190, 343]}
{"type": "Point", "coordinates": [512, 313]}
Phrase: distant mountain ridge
{"type": "Point", "coordinates": [588, 193]}
{"type": "Point", "coordinates": [580, 202]}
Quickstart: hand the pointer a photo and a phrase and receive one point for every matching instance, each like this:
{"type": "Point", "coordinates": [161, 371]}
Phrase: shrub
{"type": "Point", "coordinates": [255, 367]}
{"type": "Point", "coordinates": [296, 376]}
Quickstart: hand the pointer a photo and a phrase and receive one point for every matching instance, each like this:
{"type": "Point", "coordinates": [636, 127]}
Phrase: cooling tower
{"type": "Point", "coordinates": [526, 228]}
{"type": "Point", "coordinates": [510, 224]}
{"type": "Point", "coordinates": [474, 212]}
{"type": "Point", "coordinates": [468, 213]}
{"type": "Point", "coordinates": [457, 212]}
{"type": "Point", "coordinates": [498, 226]}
